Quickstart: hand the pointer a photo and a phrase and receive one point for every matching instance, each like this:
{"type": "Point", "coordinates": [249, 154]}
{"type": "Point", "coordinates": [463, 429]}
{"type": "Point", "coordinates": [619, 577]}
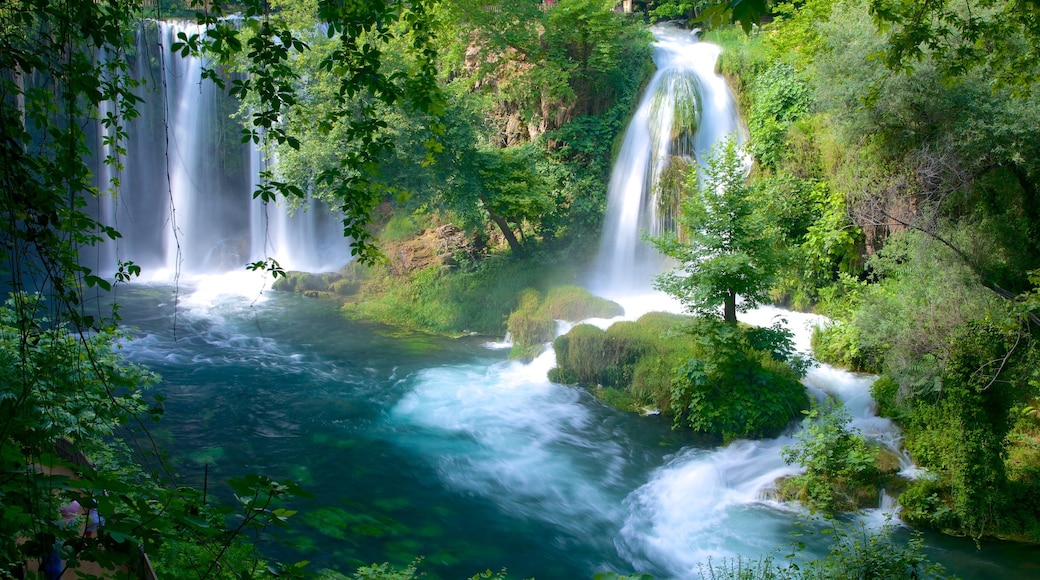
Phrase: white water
{"type": "Point", "coordinates": [685, 73]}
{"type": "Point", "coordinates": [530, 445]}
{"type": "Point", "coordinates": [185, 201]}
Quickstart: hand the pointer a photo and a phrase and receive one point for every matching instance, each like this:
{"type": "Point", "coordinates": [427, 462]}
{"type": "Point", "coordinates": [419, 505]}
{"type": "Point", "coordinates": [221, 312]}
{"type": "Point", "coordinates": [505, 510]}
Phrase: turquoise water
{"type": "Point", "coordinates": [424, 446]}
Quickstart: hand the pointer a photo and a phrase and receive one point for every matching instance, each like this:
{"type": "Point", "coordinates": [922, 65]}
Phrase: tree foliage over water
{"type": "Point", "coordinates": [725, 250]}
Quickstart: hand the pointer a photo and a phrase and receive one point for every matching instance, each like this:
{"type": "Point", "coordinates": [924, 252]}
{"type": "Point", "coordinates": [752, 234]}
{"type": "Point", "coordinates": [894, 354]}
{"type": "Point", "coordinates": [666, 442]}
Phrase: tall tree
{"type": "Point", "coordinates": [724, 251]}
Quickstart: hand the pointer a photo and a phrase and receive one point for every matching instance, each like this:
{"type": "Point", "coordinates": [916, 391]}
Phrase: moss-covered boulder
{"type": "Point", "coordinates": [636, 358]}
{"type": "Point", "coordinates": [533, 323]}
{"type": "Point", "coordinates": [307, 283]}
{"type": "Point", "coordinates": [720, 380]}
{"type": "Point", "coordinates": [573, 303]}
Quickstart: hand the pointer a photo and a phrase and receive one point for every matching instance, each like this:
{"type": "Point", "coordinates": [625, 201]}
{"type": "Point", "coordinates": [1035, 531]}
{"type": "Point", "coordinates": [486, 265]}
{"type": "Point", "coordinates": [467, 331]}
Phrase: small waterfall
{"type": "Point", "coordinates": [306, 237]}
{"type": "Point", "coordinates": [184, 203]}
{"type": "Point", "coordinates": [685, 110]}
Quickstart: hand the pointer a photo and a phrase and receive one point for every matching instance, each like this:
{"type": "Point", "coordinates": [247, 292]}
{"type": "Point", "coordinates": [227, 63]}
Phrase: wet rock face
{"type": "Point", "coordinates": [440, 246]}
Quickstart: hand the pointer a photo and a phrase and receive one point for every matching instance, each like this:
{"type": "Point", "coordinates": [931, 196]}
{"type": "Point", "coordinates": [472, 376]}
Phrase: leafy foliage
{"type": "Point", "coordinates": [837, 460]}
{"type": "Point", "coordinates": [780, 98]}
{"type": "Point", "coordinates": [735, 386]}
{"type": "Point", "coordinates": [63, 65]}
{"type": "Point", "coordinates": [717, 379]}
{"type": "Point", "coordinates": [726, 251]}
{"type": "Point", "coordinates": [905, 195]}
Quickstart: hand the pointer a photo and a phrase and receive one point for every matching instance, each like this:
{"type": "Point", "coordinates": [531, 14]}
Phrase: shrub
{"type": "Point", "coordinates": [841, 473]}
{"type": "Point", "coordinates": [717, 379]}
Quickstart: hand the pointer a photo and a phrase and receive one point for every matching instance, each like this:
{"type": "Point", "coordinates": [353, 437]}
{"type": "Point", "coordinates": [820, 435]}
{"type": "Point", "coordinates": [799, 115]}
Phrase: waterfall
{"type": "Point", "coordinates": [703, 503]}
{"type": "Point", "coordinates": [685, 110]}
{"type": "Point", "coordinates": [184, 202]}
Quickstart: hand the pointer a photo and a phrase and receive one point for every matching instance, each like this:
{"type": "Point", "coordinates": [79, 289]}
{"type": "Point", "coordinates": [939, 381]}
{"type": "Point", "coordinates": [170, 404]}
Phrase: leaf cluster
{"type": "Point", "coordinates": [725, 249]}
{"type": "Point", "coordinates": [837, 460]}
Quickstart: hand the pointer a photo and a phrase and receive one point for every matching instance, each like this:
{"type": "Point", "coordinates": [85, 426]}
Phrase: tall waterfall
{"type": "Point", "coordinates": [685, 110]}
{"type": "Point", "coordinates": [184, 201]}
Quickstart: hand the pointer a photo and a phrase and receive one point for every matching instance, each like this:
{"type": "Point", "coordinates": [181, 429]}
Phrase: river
{"type": "Point", "coordinates": [442, 448]}
{"type": "Point", "coordinates": [423, 446]}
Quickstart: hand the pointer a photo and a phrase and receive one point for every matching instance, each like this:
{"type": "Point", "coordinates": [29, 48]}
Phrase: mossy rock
{"type": "Point", "coordinates": [886, 461]}
{"type": "Point", "coordinates": [345, 287]}
{"type": "Point", "coordinates": [529, 325]}
{"type": "Point", "coordinates": [572, 303]}
{"type": "Point", "coordinates": [533, 323]}
{"type": "Point", "coordinates": [841, 497]}
{"type": "Point", "coordinates": [708, 376]}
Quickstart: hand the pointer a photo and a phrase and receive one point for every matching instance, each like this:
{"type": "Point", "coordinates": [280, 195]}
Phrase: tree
{"type": "Point", "coordinates": [724, 251]}
{"type": "Point", "coordinates": [64, 67]}
{"type": "Point", "coordinates": [709, 12]}
{"type": "Point", "coordinates": [1002, 36]}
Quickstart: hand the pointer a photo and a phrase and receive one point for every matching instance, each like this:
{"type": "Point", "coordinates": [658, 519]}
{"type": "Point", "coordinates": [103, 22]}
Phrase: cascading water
{"type": "Point", "coordinates": [704, 503]}
{"type": "Point", "coordinates": [184, 202]}
{"type": "Point", "coordinates": [419, 446]}
{"type": "Point", "coordinates": [686, 109]}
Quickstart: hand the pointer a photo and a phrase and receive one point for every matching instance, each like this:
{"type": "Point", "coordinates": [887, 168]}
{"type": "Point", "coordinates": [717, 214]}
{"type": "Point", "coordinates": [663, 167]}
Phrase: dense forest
{"type": "Point", "coordinates": [466, 147]}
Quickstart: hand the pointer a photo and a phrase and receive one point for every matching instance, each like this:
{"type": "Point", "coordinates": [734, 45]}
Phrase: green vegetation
{"type": "Point", "coordinates": [517, 147]}
{"type": "Point", "coordinates": [904, 203]}
{"type": "Point", "coordinates": [449, 301]}
{"type": "Point", "coordinates": [635, 361]}
{"type": "Point", "coordinates": [533, 324]}
{"type": "Point", "coordinates": [718, 379]}
{"type": "Point", "coordinates": [723, 247]}
{"type": "Point", "coordinates": [855, 553]}
{"type": "Point", "coordinates": [905, 207]}
{"type": "Point", "coordinates": [842, 470]}
{"type": "Point", "coordinates": [516, 160]}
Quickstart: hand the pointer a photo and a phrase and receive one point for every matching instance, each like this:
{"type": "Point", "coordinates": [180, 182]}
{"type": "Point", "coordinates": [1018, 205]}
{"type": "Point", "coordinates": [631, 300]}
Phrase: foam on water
{"type": "Point", "coordinates": [706, 504]}
{"type": "Point", "coordinates": [506, 433]}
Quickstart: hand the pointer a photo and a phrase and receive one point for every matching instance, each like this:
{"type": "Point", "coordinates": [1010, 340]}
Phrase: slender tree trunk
{"type": "Point", "coordinates": [730, 313]}
{"type": "Point", "coordinates": [502, 225]}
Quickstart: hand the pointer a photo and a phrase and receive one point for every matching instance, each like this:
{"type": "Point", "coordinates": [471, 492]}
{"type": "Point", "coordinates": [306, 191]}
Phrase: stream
{"type": "Point", "coordinates": [423, 446]}
{"type": "Point", "coordinates": [415, 445]}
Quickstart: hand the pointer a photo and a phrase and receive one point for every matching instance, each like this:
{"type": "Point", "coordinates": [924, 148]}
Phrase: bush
{"type": "Point", "coordinates": [717, 379]}
{"type": "Point", "coordinates": [738, 383]}
{"type": "Point", "coordinates": [841, 473]}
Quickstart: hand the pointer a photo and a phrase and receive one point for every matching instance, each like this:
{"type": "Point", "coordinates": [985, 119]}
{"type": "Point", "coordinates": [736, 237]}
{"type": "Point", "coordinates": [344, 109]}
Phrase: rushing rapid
{"type": "Point", "coordinates": [422, 446]}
